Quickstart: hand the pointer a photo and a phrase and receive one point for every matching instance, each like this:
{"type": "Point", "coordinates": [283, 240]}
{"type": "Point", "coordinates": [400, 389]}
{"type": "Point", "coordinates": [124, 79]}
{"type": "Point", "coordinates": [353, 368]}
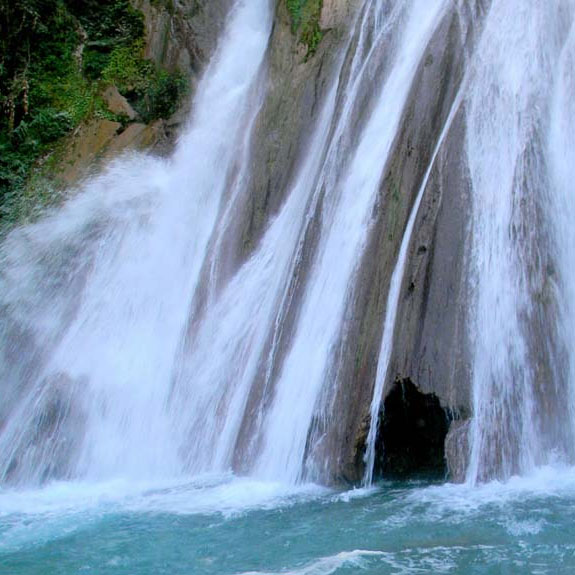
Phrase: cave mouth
{"type": "Point", "coordinates": [411, 438]}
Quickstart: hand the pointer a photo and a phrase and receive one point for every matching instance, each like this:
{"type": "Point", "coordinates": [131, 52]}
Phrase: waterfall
{"type": "Point", "coordinates": [522, 276]}
{"type": "Point", "coordinates": [561, 146]}
{"type": "Point", "coordinates": [128, 348]}
{"type": "Point", "coordinates": [121, 391]}
{"type": "Point", "coordinates": [519, 154]}
{"type": "Point", "coordinates": [253, 305]}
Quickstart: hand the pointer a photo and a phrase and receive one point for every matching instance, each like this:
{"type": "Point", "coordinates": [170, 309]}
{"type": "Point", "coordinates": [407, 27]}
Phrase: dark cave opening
{"type": "Point", "coordinates": [411, 437]}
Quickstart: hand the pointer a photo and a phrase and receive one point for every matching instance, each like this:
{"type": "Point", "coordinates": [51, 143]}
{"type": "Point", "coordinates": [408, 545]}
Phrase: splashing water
{"type": "Point", "coordinates": [103, 287]}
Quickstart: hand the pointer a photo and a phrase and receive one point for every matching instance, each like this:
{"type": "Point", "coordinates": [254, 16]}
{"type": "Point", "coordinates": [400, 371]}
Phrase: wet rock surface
{"type": "Point", "coordinates": [430, 344]}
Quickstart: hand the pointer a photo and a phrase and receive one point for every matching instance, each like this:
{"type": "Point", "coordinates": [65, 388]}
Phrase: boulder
{"type": "Point", "coordinates": [117, 104]}
{"type": "Point", "coordinates": [84, 147]}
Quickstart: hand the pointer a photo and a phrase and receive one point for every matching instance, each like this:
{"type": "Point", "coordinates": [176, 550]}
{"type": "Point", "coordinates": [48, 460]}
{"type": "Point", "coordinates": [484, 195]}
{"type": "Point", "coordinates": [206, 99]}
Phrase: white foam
{"type": "Point", "coordinates": [209, 494]}
{"type": "Point", "coordinates": [519, 528]}
{"type": "Point", "coordinates": [32, 517]}
{"type": "Point", "coordinates": [327, 565]}
{"type": "Point", "coordinates": [544, 482]}
{"type": "Point", "coordinates": [230, 498]}
{"type": "Point", "coordinates": [356, 493]}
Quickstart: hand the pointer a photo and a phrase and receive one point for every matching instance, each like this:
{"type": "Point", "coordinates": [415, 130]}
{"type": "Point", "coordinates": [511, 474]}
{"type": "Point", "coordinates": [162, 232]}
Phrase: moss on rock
{"type": "Point", "coordinates": [305, 18]}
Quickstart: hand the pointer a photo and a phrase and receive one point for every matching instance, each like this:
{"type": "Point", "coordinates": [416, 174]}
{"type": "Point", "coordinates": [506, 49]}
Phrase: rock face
{"type": "Point", "coordinates": [117, 104]}
{"type": "Point", "coordinates": [334, 14]}
{"type": "Point", "coordinates": [430, 347]}
{"type": "Point", "coordinates": [295, 89]}
{"type": "Point", "coordinates": [457, 450]}
{"type": "Point", "coordinates": [101, 140]}
{"type": "Point", "coordinates": [181, 35]}
{"type": "Point", "coordinates": [431, 308]}
{"type": "Point", "coordinates": [430, 350]}
{"type": "Point", "coordinates": [85, 147]}
{"type": "Point", "coordinates": [137, 137]}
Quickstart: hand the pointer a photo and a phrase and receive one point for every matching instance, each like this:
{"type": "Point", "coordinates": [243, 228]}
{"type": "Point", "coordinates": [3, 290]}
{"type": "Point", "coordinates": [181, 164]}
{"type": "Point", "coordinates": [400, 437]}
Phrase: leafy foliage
{"type": "Point", "coordinates": [55, 57]}
{"type": "Point", "coordinates": [294, 8]}
{"type": "Point", "coordinates": [162, 95]}
{"type": "Point", "coordinates": [127, 69]}
{"type": "Point", "coordinates": [153, 93]}
{"type": "Point", "coordinates": [305, 18]}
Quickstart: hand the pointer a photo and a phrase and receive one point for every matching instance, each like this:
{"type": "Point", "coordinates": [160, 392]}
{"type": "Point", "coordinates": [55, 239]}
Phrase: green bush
{"type": "Point", "coordinates": [153, 93]}
{"type": "Point", "coordinates": [48, 125]}
{"type": "Point", "coordinates": [127, 69]}
{"type": "Point", "coordinates": [15, 164]}
{"type": "Point", "coordinates": [95, 61]}
{"type": "Point", "coordinates": [162, 95]}
{"type": "Point", "coordinates": [55, 58]}
{"type": "Point", "coordinates": [305, 17]}
{"type": "Point", "coordinates": [48, 86]}
{"type": "Point", "coordinates": [109, 22]}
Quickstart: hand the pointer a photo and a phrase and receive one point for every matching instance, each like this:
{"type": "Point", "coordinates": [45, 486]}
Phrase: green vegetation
{"type": "Point", "coordinates": [153, 93]}
{"type": "Point", "coordinates": [294, 8]}
{"type": "Point", "coordinates": [56, 57]}
{"type": "Point", "coordinates": [305, 18]}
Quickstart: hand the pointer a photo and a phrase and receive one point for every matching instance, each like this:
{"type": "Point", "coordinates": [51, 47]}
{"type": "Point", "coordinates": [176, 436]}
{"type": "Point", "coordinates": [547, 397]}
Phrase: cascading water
{"type": "Point", "coordinates": [521, 247]}
{"type": "Point", "coordinates": [519, 157]}
{"type": "Point", "coordinates": [251, 306]}
{"type": "Point", "coordinates": [103, 288]}
{"type": "Point", "coordinates": [109, 398]}
{"type": "Point", "coordinates": [347, 207]}
{"type": "Point", "coordinates": [561, 145]}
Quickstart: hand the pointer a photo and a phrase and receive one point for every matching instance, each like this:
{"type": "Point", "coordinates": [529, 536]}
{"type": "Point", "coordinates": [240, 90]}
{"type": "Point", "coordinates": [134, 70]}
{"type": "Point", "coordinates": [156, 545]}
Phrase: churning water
{"type": "Point", "coordinates": [99, 293]}
{"type": "Point", "coordinates": [217, 526]}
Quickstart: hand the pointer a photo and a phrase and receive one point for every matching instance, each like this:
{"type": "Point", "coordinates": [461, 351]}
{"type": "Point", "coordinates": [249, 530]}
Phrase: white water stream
{"type": "Point", "coordinates": [520, 156]}
{"type": "Point", "coordinates": [511, 109]}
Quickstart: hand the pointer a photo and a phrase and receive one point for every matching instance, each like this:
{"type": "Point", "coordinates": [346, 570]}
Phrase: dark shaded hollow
{"type": "Point", "coordinates": [411, 437]}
